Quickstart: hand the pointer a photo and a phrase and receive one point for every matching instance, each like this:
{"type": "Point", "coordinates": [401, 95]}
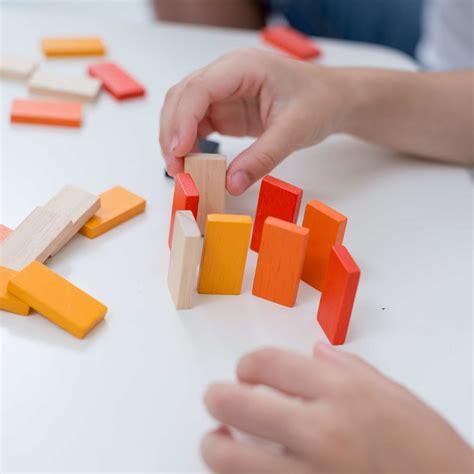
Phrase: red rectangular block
{"type": "Point", "coordinates": [291, 41]}
{"type": "Point", "coordinates": [185, 198]}
{"type": "Point", "coordinates": [46, 112]}
{"type": "Point", "coordinates": [4, 232]}
{"type": "Point", "coordinates": [276, 199]}
{"type": "Point", "coordinates": [337, 300]}
{"type": "Point", "coordinates": [116, 81]}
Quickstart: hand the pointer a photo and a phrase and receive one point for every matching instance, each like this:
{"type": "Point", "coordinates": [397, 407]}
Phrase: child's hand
{"type": "Point", "coordinates": [333, 413]}
{"type": "Point", "coordinates": [288, 104]}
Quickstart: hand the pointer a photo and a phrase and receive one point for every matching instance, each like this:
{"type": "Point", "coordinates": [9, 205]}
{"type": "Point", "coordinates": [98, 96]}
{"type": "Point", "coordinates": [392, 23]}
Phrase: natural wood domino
{"type": "Point", "coordinates": [9, 302]}
{"type": "Point", "coordinates": [185, 256]}
{"type": "Point", "coordinates": [4, 232]}
{"type": "Point", "coordinates": [208, 172]}
{"type": "Point", "coordinates": [73, 46]}
{"type": "Point", "coordinates": [291, 41]}
{"type": "Point", "coordinates": [16, 67]}
{"type": "Point", "coordinates": [41, 112]}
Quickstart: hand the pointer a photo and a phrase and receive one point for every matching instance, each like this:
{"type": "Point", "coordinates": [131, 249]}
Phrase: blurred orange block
{"type": "Point", "coordinates": [42, 112]}
{"type": "Point", "coordinates": [75, 46]}
{"type": "Point", "coordinates": [9, 302]}
{"type": "Point", "coordinates": [117, 205]}
{"type": "Point", "coordinates": [4, 232]}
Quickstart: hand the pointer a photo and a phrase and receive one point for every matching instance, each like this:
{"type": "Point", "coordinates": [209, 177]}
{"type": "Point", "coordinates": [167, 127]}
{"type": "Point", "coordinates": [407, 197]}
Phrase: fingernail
{"type": "Point", "coordinates": [174, 143]}
{"type": "Point", "coordinates": [239, 182]}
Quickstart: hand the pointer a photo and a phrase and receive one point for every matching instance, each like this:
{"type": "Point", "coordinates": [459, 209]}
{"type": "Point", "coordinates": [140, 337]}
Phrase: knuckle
{"type": "Point", "coordinates": [266, 160]}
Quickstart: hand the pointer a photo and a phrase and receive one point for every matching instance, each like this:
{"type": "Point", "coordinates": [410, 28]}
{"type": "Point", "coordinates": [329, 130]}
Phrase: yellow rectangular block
{"type": "Point", "coordinates": [9, 302]}
{"type": "Point", "coordinates": [57, 299]}
{"type": "Point", "coordinates": [117, 205]}
{"type": "Point", "coordinates": [226, 243]}
{"type": "Point", "coordinates": [78, 46]}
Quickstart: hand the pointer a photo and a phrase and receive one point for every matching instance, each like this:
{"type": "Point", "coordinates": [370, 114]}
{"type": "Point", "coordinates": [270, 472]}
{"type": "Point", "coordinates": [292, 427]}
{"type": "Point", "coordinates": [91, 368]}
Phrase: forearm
{"type": "Point", "coordinates": [426, 114]}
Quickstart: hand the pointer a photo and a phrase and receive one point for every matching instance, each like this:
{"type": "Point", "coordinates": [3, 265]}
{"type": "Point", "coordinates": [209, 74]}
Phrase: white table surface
{"type": "Point", "coordinates": [128, 397]}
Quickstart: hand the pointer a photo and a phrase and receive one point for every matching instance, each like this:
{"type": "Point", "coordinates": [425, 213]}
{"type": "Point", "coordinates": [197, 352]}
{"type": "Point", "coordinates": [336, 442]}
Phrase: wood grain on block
{"type": "Point", "coordinates": [42, 112]}
{"type": "Point", "coordinates": [208, 172]}
{"type": "Point", "coordinates": [76, 205]}
{"type": "Point", "coordinates": [64, 86]}
{"type": "Point", "coordinates": [73, 46]}
{"type": "Point", "coordinates": [34, 238]}
{"type": "Point", "coordinates": [57, 299]}
{"type": "Point", "coordinates": [4, 232]}
{"type": "Point", "coordinates": [9, 302]}
{"type": "Point", "coordinates": [185, 256]}
{"type": "Point", "coordinates": [16, 67]}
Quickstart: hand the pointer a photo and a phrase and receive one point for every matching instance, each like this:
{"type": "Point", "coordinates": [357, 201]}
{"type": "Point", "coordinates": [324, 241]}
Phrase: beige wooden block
{"type": "Point", "coordinates": [34, 239]}
{"type": "Point", "coordinates": [76, 205]}
{"type": "Point", "coordinates": [186, 250]}
{"type": "Point", "coordinates": [59, 85]}
{"type": "Point", "coordinates": [208, 172]}
{"type": "Point", "coordinates": [16, 67]}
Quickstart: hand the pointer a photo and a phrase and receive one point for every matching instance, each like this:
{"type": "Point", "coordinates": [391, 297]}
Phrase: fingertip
{"type": "Point", "coordinates": [174, 165]}
{"type": "Point", "coordinates": [238, 182]}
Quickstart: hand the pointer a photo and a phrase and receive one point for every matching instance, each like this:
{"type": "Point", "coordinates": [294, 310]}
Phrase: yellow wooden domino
{"type": "Point", "coordinates": [117, 205]}
{"type": "Point", "coordinates": [9, 302]}
{"type": "Point", "coordinates": [57, 299]}
{"type": "Point", "coordinates": [73, 46]}
{"type": "Point", "coordinates": [226, 242]}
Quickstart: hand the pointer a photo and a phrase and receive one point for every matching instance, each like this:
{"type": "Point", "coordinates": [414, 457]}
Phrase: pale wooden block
{"type": "Point", "coordinates": [34, 239]}
{"type": "Point", "coordinates": [16, 67]}
{"type": "Point", "coordinates": [186, 250]}
{"type": "Point", "coordinates": [76, 205]}
{"type": "Point", "coordinates": [208, 172]}
{"type": "Point", "coordinates": [70, 87]}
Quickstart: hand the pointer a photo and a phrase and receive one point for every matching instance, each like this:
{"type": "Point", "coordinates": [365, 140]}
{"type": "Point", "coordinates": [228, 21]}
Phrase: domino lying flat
{"type": "Point", "coordinates": [39, 112]}
{"type": "Point", "coordinates": [78, 46]}
{"type": "Point", "coordinates": [4, 232]}
{"type": "Point", "coordinates": [9, 302]}
{"type": "Point", "coordinates": [16, 67]}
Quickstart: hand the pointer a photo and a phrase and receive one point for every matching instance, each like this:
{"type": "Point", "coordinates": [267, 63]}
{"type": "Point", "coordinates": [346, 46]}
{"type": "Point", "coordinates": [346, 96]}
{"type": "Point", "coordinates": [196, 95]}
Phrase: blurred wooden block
{"type": "Point", "coordinates": [4, 232]}
{"type": "Point", "coordinates": [185, 256]}
{"type": "Point", "coordinates": [224, 254]}
{"type": "Point", "coordinates": [41, 112]}
{"type": "Point", "coordinates": [9, 302]}
{"type": "Point", "coordinates": [280, 261]}
{"type": "Point", "coordinates": [291, 41]}
{"type": "Point", "coordinates": [208, 172]}
{"type": "Point", "coordinates": [117, 205]}
{"type": "Point", "coordinates": [34, 239]}
{"type": "Point", "coordinates": [57, 299]}
{"type": "Point", "coordinates": [64, 86]}
{"type": "Point", "coordinates": [73, 46]}
{"type": "Point", "coordinates": [16, 67]}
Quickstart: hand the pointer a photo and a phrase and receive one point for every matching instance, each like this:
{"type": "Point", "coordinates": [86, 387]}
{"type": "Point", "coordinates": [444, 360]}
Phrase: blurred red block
{"type": "Point", "coordinates": [4, 232]}
{"type": "Point", "coordinates": [46, 112]}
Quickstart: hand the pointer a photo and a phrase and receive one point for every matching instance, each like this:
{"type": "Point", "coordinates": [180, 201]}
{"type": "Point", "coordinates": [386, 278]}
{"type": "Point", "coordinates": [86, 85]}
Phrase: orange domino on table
{"type": "Point", "coordinates": [4, 232]}
{"type": "Point", "coordinates": [43, 112]}
{"type": "Point", "coordinates": [9, 302]}
{"type": "Point", "coordinates": [337, 300]}
{"type": "Point", "coordinates": [291, 41]}
{"type": "Point", "coordinates": [276, 199]}
{"type": "Point", "coordinates": [117, 205]}
{"type": "Point", "coordinates": [280, 261]}
{"type": "Point", "coordinates": [185, 198]}
{"type": "Point", "coordinates": [116, 81]}
{"type": "Point", "coordinates": [73, 46]}
{"type": "Point", "coordinates": [326, 228]}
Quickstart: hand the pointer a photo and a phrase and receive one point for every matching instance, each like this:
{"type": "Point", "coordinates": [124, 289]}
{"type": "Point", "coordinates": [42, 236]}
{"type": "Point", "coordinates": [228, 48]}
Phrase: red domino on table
{"type": "Point", "coordinates": [4, 232]}
{"type": "Point", "coordinates": [276, 199]}
{"type": "Point", "coordinates": [337, 299]}
{"type": "Point", "coordinates": [116, 81]}
{"type": "Point", "coordinates": [185, 198]}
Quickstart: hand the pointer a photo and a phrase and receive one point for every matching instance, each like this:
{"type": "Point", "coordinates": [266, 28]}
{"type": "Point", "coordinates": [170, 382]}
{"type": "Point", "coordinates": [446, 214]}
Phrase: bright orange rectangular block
{"type": "Point", "coordinates": [57, 299]}
{"type": "Point", "coordinates": [280, 261]}
{"type": "Point", "coordinates": [117, 205]}
{"type": "Point", "coordinates": [337, 300]}
{"type": "Point", "coordinates": [326, 228]}
{"type": "Point", "coordinates": [78, 46]}
{"type": "Point", "coordinates": [43, 112]}
{"type": "Point", "coordinates": [4, 232]}
{"type": "Point", "coordinates": [9, 302]}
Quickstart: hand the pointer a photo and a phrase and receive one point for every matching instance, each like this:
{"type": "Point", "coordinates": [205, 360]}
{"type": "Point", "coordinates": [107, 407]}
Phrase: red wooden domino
{"type": "Point", "coordinates": [4, 232]}
{"type": "Point", "coordinates": [116, 81]}
{"type": "Point", "coordinates": [276, 199]}
{"type": "Point", "coordinates": [185, 198]}
{"type": "Point", "coordinates": [291, 41]}
{"type": "Point", "coordinates": [337, 299]}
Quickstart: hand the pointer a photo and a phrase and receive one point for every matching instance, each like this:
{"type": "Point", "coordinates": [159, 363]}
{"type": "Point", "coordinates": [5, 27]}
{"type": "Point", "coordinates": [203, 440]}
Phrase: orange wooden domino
{"type": "Point", "coordinates": [280, 261]}
{"type": "Point", "coordinates": [9, 302]}
{"type": "Point", "coordinates": [326, 228]}
{"type": "Point", "coordinates": [291, 41]}
{"type": "Point", "coordinates": [73, 46]}
{"type": "Point", "coordinates": [185, 198]}
{"type": "Point", "coordinates": [117, 205]}
{"type": "Point", "coordinates": [4, 232]}
{"type": "Point", "coordinates": [57, 299]}
{"type": "Point", "coordinates": [42, 112]}
{"type": "Point", "coordinates": [337, 300]}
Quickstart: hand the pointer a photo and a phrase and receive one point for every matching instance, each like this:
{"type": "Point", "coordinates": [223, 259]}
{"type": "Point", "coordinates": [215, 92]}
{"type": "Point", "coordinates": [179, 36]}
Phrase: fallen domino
{"type": "Point", "coordinates": [9, 302]}
{"type": "Point", "coordinates": [73, 46]}
{"type": "Point", "coordinates": [16, 67]}
{"type": "Point", "coordinates": [291, 41]}
{"type": "Point", "coordinates": [41, 112]}
{"type": "Point", "coordinates": [4, 232]}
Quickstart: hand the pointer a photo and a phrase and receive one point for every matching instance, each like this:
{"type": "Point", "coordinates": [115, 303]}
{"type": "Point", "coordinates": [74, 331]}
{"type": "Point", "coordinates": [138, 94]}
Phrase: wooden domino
{"type": "Point", "coordinates": [9, 302]}
{"type": "Point", "coordinates": [326, 228]}
{"type": "Point", "coordinates": [16, 67]}
{"type": "Point", "coordinates": [116, 81]}
{"type": "Point", "coordinates": [64, 86]}
{"type": "Point", "coordinates": [337, 299]}
{"type": "Point", "coordinates": [224, 254]}
{"type": "Point", "coordinates": [291, 41]}
{"type": "Point", "coordinates": [280, 261]}
{"type": "Point", "coordinates": [117, 205]}
{"type": "Point", "coordinates": [184, 260]}
{"type": "Point", "coordinates": [4, 232]}
{"type": "Point", "coordinates": [208, 172]}
{"type": "Point", "coordinates": [57, 299]}
{"type": "Point", "coordinates": [276, 199]}
{"type": "Point", "coordinates": [76, 205]}
{"type": "Point", "coordinates": [41, 112]}
{"type": "Point", "coordinates": [185, 198]}
{"type": "Point", "coordinates": [74, 46]}
{"type": "Point", "coordinates": [34, 239]}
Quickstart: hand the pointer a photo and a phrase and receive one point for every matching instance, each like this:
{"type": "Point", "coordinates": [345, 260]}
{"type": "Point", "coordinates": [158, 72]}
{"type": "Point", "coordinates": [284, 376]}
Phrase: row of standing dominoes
{"type": "Point", "coordinates": [288, 253]}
